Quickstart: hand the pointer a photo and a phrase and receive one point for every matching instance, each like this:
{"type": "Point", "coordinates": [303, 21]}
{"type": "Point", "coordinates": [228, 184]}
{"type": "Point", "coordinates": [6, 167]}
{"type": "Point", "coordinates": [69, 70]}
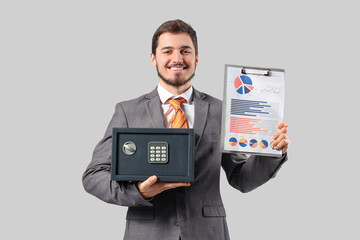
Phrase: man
{"type": "Point", "coordinates": [159, 210]}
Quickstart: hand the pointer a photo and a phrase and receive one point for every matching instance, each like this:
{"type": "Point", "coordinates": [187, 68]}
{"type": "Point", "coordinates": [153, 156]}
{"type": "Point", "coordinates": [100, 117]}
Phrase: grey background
{"type": "Point", "coordinates": [65, 64]}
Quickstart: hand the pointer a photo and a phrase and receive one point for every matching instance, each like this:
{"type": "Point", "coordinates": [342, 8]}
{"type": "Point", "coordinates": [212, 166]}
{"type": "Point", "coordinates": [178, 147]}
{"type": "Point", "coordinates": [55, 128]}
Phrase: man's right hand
{"type": "Point", "coordinates": [150, 187]}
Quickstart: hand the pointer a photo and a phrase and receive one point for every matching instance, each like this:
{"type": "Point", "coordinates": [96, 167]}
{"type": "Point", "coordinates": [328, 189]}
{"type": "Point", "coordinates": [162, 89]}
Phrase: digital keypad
{"type": "Point", "coordinates": [158, 152]}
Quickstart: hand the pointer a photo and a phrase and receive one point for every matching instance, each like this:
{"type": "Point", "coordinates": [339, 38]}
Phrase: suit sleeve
{"type": "Point", "coordinates": [246, 174]}
{"type": "Point", "coordinates": [97, 177]}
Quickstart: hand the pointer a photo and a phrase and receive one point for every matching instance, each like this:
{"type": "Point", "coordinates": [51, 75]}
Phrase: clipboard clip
{"type": "Point", "coordinates": [256, 71]}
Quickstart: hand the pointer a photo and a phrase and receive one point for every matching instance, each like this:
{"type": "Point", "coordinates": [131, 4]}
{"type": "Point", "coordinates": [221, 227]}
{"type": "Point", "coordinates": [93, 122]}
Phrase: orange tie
{"type": "Point", "coordinates": [179, 119]}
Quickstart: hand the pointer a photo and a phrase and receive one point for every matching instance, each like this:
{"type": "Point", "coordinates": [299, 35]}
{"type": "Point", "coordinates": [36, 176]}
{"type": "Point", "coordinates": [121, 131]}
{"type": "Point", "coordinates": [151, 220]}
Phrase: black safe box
{"type": "Point", "coordinates": [138, 153]}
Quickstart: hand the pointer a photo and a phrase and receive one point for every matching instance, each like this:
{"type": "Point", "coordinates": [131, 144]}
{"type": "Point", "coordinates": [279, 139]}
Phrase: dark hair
{"type": "Point", "coordinates": [174, 26]}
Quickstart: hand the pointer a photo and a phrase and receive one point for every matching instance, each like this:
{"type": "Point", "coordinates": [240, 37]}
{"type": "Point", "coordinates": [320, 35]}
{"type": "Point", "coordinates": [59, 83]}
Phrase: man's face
{"type": "Point", "coordinates": [175, 59]}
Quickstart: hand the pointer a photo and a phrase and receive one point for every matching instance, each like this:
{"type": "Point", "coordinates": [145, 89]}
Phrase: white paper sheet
{"type": "Point", "coordinates": [253, 106]}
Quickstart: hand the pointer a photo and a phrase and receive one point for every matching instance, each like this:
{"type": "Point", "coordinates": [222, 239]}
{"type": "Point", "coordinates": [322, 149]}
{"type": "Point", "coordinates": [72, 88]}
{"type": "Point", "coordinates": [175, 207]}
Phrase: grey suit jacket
{"type": "Point", "coordinates": [194, 212]}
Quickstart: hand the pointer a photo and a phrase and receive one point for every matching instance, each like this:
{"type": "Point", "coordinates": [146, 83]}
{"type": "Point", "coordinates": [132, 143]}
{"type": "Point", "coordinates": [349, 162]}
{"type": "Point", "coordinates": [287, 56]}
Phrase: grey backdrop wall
{"type": "Point", "coordinates": [65, 64]}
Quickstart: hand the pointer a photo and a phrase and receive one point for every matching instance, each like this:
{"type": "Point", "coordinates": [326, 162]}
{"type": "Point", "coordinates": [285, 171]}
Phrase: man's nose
{"type": "Point", "coordinates": [178, 58]}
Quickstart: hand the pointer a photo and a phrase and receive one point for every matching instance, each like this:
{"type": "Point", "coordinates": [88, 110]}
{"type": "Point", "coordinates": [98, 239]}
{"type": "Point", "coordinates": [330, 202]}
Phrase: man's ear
{"type": "Point", "coordinates": [196, 59]}
{"type": "Point", "coordinates": [153, 59]}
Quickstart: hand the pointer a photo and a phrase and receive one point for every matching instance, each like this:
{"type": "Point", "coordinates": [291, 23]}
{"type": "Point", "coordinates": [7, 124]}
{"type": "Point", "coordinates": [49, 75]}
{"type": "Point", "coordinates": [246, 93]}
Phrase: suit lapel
{"type": "Point", "coordinates": [153, 109]}
{"type": "Point", "coordinates": [201, 112]}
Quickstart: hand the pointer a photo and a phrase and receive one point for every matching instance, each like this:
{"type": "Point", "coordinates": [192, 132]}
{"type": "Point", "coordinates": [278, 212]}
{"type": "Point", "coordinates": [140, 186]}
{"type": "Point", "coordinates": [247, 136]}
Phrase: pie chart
{"type": "Point", "coordinates": [243, 142]}
{"type": "Point", "coordinates": [243, 84]}
{"type": "Point", "coordinates": [264, 144]}
{"type": "Point", "coordinates": [253, 143]}
{"type": "Point", "coordinates": [233, 141]}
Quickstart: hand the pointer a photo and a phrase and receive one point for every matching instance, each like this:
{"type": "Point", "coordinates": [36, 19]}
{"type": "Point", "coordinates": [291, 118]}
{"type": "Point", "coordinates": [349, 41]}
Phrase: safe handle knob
{"type": "Point", "coordinates": [129, 148]}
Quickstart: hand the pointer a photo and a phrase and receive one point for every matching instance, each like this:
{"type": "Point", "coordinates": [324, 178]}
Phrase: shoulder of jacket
{"type": "Point", "coordinates": [131, 102]}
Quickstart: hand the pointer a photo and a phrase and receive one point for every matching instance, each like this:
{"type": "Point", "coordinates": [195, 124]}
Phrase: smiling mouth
{"type": "Point", "coordinates": [177, 68]}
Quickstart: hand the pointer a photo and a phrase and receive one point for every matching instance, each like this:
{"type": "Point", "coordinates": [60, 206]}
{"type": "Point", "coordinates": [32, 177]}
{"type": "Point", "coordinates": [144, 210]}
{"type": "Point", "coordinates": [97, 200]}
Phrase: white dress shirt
{"type": "Point", "coordinates": [168, 111]}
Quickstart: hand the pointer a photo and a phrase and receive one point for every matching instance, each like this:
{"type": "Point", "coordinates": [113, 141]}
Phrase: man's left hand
{"type": "Point", "coordinates": [281, 139]}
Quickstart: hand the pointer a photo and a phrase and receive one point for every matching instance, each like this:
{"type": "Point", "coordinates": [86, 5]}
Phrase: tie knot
{"type": "Point", "coordinates": [175, 103]}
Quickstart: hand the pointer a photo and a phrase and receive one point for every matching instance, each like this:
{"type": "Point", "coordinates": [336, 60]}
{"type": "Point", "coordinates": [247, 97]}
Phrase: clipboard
{"type": "Point", "coordinates": [253, 105]}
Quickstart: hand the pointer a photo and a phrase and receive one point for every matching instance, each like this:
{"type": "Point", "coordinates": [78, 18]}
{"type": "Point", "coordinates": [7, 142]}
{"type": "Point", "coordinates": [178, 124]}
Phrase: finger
{"type": "Point", "coordinates": [282, 125]}
{"type": "Point", "coordinates": [283, 144]}
{"type": "Point", "coordinates": [149, 182]}
{"type": "Point", "coordinates": [282, 131]}
{"type": "Point", "coordinates": [170, 185]}
{"type": "Point", "coordinates": [278, 140]}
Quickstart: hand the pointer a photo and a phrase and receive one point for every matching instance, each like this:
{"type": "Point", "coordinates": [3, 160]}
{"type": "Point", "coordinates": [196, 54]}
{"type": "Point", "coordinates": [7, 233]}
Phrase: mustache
{"type": "Point", "coordinates": [177, 65]}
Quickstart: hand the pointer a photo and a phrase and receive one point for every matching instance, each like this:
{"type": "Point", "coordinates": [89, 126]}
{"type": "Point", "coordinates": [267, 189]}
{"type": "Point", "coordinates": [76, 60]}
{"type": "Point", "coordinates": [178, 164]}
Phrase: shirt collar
{"type": "Point", "coordinates": [165, 94]}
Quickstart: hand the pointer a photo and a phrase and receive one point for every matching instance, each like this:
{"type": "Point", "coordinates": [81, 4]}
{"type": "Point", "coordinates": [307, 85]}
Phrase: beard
{"type": "Point", "coordinates": [177, 82]}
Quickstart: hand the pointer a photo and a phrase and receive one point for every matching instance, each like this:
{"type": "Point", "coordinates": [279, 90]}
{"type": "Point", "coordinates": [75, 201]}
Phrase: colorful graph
{"type": "Point", "coordinates": [245, 125]}
{"type": "Point", "coordinates": [264, 144]}
{"type": "Point", "coordinates": [249, 108]}
{"type": "Point", "coordinates": [243, 84]}
{"type": "Point", "coordinates": [253, 143]}
{"type": "Point", "coordinates": [243, 142]}
{"type": "Point", "coordinates": [233, 141]}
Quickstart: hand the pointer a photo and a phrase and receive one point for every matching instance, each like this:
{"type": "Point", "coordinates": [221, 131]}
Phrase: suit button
{"type": "Point", "coordinates": [176, 223]}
